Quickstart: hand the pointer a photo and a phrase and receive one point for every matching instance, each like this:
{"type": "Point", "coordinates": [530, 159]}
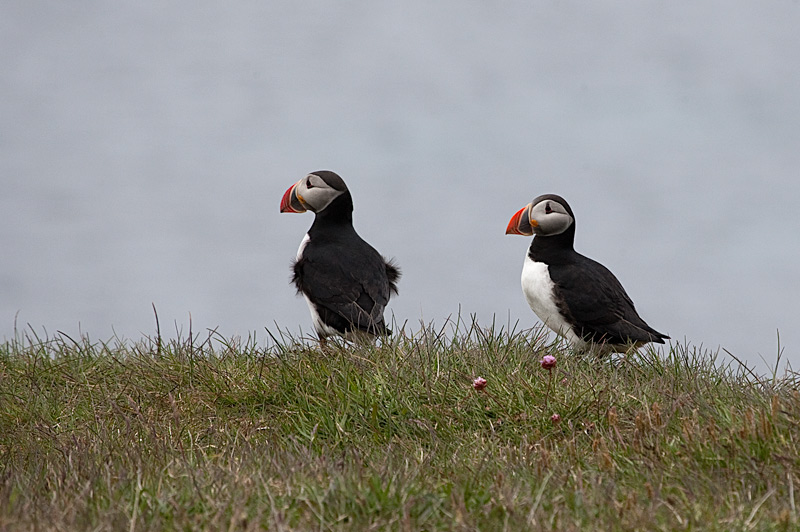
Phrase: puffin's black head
{"type": "Point", "coordinates": [313, 193]}
{"type": "Point", "coordinates": [547, 215]}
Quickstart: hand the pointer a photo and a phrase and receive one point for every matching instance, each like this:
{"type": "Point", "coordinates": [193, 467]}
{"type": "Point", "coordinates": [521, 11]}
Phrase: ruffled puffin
{"type": "Point", "coordinates": [344, 280]}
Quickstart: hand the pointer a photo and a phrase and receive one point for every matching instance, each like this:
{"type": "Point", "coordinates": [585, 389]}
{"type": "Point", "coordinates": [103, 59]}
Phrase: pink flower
{"type": "Point", "coordinates": [556, 419]}
{"type": "Point", "coordinates": [479, 383]}
{"type": "Point", "coordinates": [548, 362]}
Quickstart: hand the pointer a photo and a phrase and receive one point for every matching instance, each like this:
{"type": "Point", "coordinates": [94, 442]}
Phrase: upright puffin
{"type": "Point", "coordinates": [575, 296]}
{"type": "Point", "coordinates": [344, 280]}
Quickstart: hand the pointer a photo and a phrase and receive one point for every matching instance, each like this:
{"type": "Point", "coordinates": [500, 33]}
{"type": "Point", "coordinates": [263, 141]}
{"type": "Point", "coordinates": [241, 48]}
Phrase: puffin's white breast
{"type": "Point", "coordinates": [322, 329]}
{"type": "Point", "coordinates": [538, 289]}
{"type": "Point", "coordinates": [303, 244]}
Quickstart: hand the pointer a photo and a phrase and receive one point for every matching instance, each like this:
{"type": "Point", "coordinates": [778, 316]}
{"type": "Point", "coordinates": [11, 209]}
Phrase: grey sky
{"type": "Point", "coordinates": [144, 149]}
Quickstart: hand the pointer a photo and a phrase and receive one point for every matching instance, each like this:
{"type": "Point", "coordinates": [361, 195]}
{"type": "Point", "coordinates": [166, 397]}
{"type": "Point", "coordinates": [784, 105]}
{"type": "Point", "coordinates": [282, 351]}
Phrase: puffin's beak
{"type": "Point", "coordinates": [291, 201]}
{"type": "Point", "coordinates": [520, 223]}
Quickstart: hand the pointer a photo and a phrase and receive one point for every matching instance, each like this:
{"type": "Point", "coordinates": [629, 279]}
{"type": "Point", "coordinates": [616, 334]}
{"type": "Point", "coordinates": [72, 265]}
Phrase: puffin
{"type": "Point", "coordinates": [575, 296]}
{"type": "Point", "coordinates": [344, 280]}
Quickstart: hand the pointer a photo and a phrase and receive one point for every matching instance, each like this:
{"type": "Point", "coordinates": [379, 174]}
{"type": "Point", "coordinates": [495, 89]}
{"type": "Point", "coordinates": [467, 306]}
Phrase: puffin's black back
{"type": "Point", "coordinates": [594, 302]}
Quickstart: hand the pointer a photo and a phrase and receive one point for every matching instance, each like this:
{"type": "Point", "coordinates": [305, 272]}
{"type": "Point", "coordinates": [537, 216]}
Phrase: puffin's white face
{"type": "Point", "coordinates": [312, 193]}
{"type": "Point", "coordinates": [549, 217]}
{"type": "Point", "coordinates": [543, 216]}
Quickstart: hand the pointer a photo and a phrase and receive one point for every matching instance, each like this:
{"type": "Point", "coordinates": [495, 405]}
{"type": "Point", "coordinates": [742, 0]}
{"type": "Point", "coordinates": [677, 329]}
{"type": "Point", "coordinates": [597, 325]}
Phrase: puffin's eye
{"type": "Point", "coordinates": [547, 209]}
{"type": "Point", "coordinates": [308, 183]}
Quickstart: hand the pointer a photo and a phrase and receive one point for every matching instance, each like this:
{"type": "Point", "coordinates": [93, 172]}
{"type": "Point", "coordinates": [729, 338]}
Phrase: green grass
{"type": "Point", "coordinates": [221, 434]}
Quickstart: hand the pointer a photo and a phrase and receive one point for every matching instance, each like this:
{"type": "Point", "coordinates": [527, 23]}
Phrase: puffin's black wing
{"type": "Point", "coordinates": [597, 305]}
{"type": "Point", "coordinates": [348, 283]}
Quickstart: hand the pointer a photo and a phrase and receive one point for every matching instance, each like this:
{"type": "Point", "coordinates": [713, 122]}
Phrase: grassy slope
{"type": "Point", "coordinates": [219, 434]}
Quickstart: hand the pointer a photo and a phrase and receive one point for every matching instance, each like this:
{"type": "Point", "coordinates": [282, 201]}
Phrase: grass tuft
{"type": "Point", "coordinates": [212, 433]}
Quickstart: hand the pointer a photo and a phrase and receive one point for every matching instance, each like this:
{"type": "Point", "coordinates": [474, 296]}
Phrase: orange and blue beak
{"type": "Point", "coordinates": [521, 223]}
{"type": "Point", "coordinates": [292, 201]}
